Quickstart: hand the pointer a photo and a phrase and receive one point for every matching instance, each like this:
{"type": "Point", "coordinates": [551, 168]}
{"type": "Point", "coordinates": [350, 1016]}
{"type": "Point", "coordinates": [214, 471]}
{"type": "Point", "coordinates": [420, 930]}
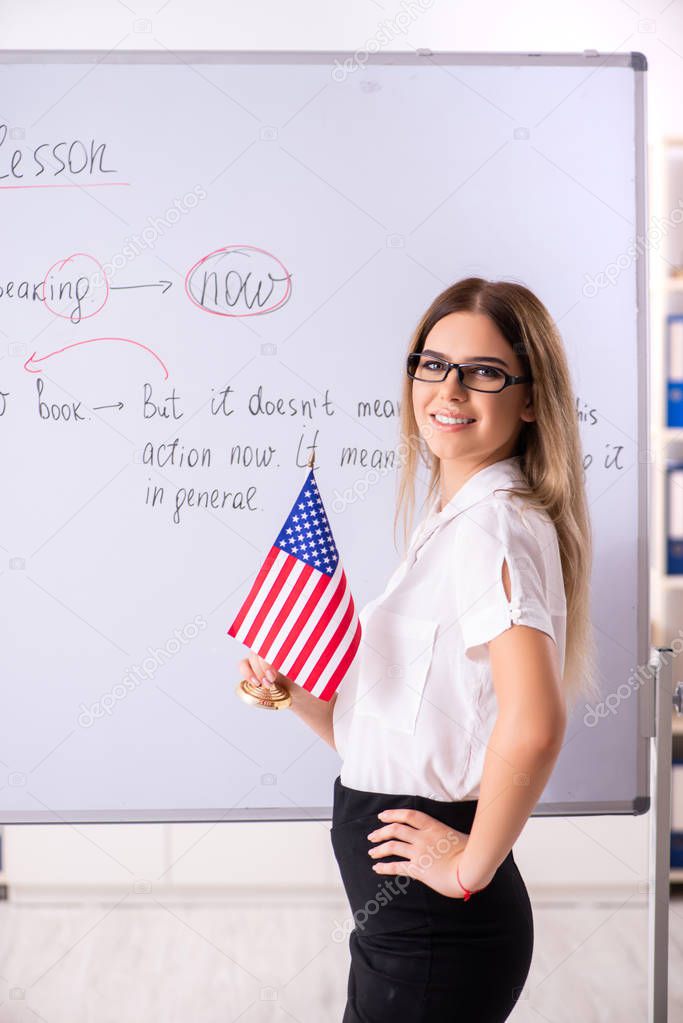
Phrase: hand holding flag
{"type": "Point", "coordinates": [299, 615]}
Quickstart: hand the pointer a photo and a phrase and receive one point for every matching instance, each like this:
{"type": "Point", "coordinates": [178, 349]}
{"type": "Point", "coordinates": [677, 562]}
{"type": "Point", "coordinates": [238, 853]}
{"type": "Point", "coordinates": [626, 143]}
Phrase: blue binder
{"type": "Point", "coordinates": [674, 363]}
{"type": "Point", "coordinates": [677, 814]}
{"type": "Point", "coordinates": [674, 517]}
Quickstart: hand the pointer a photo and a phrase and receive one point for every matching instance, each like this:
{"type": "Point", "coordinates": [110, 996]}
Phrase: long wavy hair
{"type": "Point", "coordinates": [549, 449]}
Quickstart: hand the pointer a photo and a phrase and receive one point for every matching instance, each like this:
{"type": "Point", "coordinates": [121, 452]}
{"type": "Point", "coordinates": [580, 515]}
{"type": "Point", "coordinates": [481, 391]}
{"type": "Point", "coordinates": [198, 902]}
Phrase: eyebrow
{"type": "Point", "coordinates": [472, 358]}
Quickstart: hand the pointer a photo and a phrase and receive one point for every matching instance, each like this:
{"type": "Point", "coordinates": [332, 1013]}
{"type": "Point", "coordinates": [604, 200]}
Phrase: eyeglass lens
{"type": "Point", "coordinates": [475, 375]}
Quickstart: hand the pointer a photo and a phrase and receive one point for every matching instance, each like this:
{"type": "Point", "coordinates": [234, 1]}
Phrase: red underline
{"type": "Point", "coordinates": [98, 184]}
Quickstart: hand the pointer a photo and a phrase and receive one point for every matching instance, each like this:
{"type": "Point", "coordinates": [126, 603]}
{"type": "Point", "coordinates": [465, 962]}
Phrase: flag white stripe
{"type": "Point", "coordinates": [310, 625]}
{"type": "Point", "coordinates": [291, 623]}
{"type": "Point", "coordinates": [262, 595]}
{"type": "Point", "coordinates": [337, 655]}
{"type": "Point", "coordinates": [315, 654]}
{"type": "Point", "coordinates": [277, 606]}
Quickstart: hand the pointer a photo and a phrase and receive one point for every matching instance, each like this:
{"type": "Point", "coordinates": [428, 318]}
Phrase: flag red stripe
{"type": "Point", "coordinates": [335, 639]}
{"type": "Point", "coordinates": [343, 666]}
{"type": "Point", "coordinates": [253, 592]}
{"type": "Point", "coordinates": [270, 597]}
{"type": "Point", "coordinates": [317, 632]}
{"type": "Point", "coordinates": [299, 624]}
{"type": "Point", "coordinates": [289, 603]}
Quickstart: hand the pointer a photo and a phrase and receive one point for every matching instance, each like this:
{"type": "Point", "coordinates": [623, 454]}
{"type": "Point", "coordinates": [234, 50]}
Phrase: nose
{"type": "Point", "coordinates": [452, 388]}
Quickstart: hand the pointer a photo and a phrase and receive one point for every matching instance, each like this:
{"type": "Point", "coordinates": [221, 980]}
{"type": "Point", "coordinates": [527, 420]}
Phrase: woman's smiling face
{"type": "Point", "coordinates": [498, 417]}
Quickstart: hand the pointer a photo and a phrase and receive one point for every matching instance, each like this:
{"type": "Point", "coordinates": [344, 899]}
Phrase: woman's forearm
{"type": "Point", "coordinates": [515, 773]}
{"type": "Point", "coordinates": [314, 712]}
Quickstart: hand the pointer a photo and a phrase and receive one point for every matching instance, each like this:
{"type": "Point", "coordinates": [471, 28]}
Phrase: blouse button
{"type": "Point", "coordinates": [515, 609]}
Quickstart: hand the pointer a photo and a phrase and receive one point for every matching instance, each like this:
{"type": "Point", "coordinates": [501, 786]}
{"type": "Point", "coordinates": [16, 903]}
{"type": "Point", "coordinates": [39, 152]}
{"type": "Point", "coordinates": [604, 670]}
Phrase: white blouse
{"type": "Point", "coordinates": [417, 707]}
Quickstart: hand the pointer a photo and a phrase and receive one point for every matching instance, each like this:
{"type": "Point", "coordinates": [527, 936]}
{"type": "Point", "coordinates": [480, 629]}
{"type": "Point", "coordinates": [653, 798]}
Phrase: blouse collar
{"type": "Point", "coordinates": [480, 485]}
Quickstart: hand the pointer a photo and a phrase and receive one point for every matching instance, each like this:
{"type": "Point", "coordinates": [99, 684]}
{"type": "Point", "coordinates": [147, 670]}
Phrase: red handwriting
{"type": "Point", "coordinates": [75, 284]}
{"type": "Point", "coordinates": [238, 280]}
{"type": "Point", "coordinates": [31, 364]}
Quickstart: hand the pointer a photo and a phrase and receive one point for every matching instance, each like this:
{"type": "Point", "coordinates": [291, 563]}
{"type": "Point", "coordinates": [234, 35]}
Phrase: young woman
{"type": "Point", "coordinates": [454, 713]}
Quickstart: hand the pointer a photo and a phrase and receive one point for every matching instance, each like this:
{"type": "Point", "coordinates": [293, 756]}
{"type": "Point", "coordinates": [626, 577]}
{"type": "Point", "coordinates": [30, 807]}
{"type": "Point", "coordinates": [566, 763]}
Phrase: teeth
{"type": "Point", "coordinates": [446, 420]}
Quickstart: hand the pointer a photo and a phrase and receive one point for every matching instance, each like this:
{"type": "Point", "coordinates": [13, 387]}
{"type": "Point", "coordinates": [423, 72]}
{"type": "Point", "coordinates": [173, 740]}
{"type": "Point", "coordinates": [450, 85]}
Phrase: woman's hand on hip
{"type": "Point", "coordinates": [432, 849]}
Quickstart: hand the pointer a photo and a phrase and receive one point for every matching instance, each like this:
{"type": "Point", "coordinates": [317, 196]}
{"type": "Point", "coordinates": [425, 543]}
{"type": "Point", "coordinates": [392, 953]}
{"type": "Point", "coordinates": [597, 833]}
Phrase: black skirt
{"type": "Point", "coordinates": [416, 955]}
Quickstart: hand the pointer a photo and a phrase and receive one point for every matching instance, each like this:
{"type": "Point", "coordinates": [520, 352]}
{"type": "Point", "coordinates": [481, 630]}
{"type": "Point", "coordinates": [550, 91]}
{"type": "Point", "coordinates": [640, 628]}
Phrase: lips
{"type": "Point", "coordinates": [450, 415]}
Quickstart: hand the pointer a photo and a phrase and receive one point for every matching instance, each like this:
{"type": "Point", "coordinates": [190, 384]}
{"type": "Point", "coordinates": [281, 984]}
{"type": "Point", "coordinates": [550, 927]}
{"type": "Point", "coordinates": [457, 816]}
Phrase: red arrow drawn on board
{"type": "Point", "coordinates": [31, 364]}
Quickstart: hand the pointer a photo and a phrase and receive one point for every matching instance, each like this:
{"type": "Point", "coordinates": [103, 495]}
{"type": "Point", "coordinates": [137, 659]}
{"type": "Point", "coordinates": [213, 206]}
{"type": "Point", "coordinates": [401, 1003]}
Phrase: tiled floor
{"type": "Point", "coordinates": [135, 958]}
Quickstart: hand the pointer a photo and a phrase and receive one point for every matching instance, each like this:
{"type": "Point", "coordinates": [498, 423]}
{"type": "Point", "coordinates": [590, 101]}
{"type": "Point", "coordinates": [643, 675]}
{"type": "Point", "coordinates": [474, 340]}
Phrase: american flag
{"type": "Point", "coordinates": [299, 614]}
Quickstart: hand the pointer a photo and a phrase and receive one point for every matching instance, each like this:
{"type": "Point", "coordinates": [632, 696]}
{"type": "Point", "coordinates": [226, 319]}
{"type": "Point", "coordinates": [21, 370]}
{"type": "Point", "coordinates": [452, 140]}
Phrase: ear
{"type": "Point", "coordinates": [528, 413]}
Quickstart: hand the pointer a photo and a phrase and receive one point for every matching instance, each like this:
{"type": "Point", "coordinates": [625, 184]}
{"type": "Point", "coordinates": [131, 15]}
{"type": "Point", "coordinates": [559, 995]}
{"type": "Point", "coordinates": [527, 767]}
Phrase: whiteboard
{"type": "Point", "coordinates": [213, 264]}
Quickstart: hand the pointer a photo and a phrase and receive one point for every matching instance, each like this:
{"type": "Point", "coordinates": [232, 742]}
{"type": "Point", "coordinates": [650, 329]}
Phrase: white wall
{"type": "Point", "coordinates": [654, 28]}
{"type": "Point", "coordinates": [574, 851]}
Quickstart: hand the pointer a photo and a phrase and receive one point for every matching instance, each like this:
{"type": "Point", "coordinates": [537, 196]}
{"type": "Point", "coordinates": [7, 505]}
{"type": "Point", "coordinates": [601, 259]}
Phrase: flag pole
{"type": "Point", "coordinates": [275, 696]}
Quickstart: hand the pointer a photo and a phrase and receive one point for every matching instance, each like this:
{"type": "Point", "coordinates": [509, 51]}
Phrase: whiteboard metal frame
{"type": "Point", "coordinates": [588, 59]}
{"type": "Point", "coordinates": [592, 60]}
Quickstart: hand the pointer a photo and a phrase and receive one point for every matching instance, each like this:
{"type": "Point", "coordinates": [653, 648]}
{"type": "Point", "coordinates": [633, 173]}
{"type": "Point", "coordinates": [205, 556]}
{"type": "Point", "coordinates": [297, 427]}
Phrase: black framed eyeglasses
{"type": "Point", "coordinates": [475, 375]}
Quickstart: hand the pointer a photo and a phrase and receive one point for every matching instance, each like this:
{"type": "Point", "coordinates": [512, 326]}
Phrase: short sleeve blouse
{"type": "Point", "coordinates": [418, 705]}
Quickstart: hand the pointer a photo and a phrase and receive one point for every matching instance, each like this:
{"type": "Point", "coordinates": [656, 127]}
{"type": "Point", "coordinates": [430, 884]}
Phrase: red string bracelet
{"type": "Point", "coordinates": [467, 892]}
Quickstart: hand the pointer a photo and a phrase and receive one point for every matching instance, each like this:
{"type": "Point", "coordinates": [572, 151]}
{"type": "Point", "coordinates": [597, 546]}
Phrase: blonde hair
{"type": "Point", "coordinates": [549, 449]}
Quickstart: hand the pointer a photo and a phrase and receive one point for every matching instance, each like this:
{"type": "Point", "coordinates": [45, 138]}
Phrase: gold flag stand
{"type": "Point", "coordinates": [274, 696]}
{"type": "Point", "coordinates": [278, 696]}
